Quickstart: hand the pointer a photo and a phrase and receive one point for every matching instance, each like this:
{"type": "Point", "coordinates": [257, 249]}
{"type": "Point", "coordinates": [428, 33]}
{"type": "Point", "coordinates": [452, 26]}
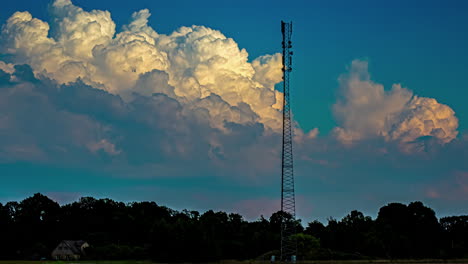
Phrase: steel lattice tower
{"type": "Point", "coordinates": [288, 202]}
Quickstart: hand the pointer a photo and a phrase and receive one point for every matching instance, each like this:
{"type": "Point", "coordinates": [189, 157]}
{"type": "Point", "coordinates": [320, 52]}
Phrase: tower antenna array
{"type": "Point", "coordinates": [288, 202]}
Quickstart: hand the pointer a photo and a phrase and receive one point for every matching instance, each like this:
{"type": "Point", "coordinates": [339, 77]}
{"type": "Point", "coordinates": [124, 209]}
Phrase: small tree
{"type": "Point", "coordinates": [305, 245]}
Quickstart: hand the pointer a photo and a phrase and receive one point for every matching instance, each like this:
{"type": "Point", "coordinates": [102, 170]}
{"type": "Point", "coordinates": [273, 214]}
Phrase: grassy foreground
{"type": "Point", "coordinates": [402, 261]}
{"type": "Point", "coordinates": [71, 262]}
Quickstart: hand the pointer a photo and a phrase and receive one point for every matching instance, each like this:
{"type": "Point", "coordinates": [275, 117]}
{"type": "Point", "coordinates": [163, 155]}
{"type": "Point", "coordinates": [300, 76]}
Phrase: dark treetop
{"type": "Point", "coordinates": [33, 227]}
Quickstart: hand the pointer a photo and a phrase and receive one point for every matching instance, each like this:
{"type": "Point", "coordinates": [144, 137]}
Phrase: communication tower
{"type": "Point", "coordinates": [288, 202]}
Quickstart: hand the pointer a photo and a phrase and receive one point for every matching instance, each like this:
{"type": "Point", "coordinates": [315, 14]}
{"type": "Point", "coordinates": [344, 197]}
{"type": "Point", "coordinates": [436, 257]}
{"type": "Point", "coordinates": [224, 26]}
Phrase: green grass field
{"type": "Point", "coordinates": [70, 262]}
{"type": "Point", "coordinates": [422, 261]}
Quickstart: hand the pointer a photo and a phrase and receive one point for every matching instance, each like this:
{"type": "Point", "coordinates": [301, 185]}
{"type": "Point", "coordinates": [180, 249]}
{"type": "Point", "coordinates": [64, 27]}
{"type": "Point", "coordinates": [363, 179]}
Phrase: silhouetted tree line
{"type": "Point", "coordinates": [144, 230]}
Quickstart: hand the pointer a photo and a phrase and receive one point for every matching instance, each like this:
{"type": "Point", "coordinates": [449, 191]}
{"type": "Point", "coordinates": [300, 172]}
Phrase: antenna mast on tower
{"type": "Point", "coordinates": [288, 202]}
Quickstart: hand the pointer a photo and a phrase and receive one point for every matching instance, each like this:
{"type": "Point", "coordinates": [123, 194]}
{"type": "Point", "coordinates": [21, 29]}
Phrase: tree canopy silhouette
{"type": "Point", "coordinates": [31, 229]}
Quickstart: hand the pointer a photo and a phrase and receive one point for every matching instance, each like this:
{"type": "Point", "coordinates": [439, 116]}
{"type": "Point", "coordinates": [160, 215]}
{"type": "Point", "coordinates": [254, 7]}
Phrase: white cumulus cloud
{"type": "Point", "coordinates": [197, 66]}
{"type": "Point", "coordinates": [366, 110]}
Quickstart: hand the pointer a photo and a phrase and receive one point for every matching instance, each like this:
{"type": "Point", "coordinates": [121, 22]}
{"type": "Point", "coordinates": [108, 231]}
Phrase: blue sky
{"type": "Point", "coordinates": [418, 44]}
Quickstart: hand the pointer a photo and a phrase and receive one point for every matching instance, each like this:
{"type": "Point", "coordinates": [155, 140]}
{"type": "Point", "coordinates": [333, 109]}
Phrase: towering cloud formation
{"type": "Point", "coordinates": [144, 99]}
{"type": "Point", "coordinates": [365, 110]}
{"type": "Point", "coordinates": [197, 66]}
{"type": "Point", "coordinates": [135, 99]}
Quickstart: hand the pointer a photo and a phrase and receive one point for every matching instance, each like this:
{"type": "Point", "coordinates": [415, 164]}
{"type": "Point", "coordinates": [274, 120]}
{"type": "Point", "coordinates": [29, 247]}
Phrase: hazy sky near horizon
{"type": "Point", "coordinates": [130, 100]}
